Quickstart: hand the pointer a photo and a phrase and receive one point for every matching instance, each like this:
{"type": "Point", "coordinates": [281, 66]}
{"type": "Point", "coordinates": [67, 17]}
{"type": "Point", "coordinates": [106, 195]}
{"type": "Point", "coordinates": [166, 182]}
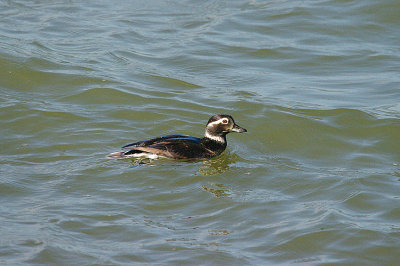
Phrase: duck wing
{"type": "Point", "coordinates": [168, 138]}
{"type": "Point", "coordinates": [172, 146]}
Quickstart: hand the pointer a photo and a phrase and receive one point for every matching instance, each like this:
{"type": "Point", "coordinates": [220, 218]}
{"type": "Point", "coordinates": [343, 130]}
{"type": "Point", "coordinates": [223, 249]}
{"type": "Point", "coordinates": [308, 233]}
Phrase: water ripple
{"type": "Point", "coordinates": [315, 179]}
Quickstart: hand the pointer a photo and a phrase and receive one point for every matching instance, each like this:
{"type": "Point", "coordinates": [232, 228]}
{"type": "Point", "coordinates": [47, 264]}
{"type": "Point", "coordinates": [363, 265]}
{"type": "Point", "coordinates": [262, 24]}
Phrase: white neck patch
{"type": "Point", "coordinates": [213, 137]}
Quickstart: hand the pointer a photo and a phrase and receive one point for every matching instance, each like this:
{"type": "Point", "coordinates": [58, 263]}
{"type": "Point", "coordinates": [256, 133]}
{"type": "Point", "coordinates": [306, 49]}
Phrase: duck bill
{"type": "Point", "coordinates": [238, 129]}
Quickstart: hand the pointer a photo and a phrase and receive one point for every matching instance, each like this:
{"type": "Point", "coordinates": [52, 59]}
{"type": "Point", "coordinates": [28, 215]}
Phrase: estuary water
{"type": "Point", "coordinates": [315, 180]}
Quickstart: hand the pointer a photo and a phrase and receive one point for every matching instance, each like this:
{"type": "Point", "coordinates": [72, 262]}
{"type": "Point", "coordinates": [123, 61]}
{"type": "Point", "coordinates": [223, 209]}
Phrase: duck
{"type": "Point", "coordinates": [184, 147]}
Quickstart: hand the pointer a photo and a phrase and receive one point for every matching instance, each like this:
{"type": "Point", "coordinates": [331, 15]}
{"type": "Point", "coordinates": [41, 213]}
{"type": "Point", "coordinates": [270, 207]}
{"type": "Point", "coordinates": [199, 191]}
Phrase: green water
{"type": "Point", "coordinates": [315, 180]}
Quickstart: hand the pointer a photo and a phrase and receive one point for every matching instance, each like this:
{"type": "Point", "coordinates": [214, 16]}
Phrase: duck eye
{"type": "Point", "coordinates": [224, 121]}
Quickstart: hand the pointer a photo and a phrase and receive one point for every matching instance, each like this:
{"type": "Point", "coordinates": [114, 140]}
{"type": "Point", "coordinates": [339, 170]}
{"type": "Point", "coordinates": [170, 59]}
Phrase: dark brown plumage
{"type": "Point", "coordinates": [185, 147]}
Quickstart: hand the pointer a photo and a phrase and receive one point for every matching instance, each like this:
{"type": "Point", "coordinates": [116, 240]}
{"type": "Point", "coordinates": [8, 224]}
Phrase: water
{"type": "Point", "coordinates": [315, 180]}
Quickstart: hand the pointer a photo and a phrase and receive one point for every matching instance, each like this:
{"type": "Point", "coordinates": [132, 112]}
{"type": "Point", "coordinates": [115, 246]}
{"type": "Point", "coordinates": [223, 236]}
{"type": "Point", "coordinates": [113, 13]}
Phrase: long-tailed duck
{"type": "Point", "coordinates": [183, 146]}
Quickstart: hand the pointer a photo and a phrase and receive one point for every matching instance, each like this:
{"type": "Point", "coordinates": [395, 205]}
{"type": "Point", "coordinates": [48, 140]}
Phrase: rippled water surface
{"type": "Point", "coordinates": [316, 179]}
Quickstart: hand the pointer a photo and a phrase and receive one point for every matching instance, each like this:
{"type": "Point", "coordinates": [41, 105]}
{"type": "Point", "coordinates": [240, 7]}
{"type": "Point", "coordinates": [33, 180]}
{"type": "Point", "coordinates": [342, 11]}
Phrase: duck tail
{"type": "Point", "coordinates": [117, 155]}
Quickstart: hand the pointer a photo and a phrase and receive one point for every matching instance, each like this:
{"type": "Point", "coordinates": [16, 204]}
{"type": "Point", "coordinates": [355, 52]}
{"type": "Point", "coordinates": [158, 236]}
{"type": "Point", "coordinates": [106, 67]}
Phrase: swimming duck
{"type": "Point", "coordinates": [183, 146]}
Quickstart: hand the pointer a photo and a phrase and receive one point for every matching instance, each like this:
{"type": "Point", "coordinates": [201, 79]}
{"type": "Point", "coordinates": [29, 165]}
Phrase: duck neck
{"type": "Point", "coordinates": [218, 138]}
